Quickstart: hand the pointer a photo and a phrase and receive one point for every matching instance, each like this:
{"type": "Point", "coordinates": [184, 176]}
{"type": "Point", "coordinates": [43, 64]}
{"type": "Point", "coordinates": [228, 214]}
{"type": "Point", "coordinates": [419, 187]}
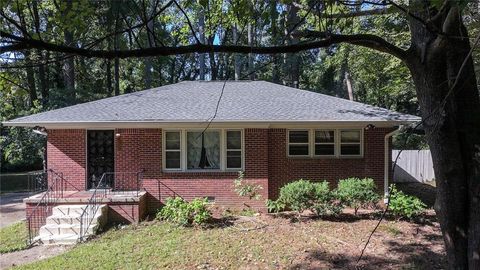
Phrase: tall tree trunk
{"type": "Point", "coordinates": [237, 64]}
{"type": "Point", "coordinates": [292, 60]}
{"type": "Point", "coordinates": [148, 60]}
{"type": "Point", "coordinates": [251, 68]}
{"type": "Point", "coordinates": [275, 41]}
{"type": "Point", "coordinates": [41, 68]}
{"type": "Point", "coordinates": [116, 69]}
{"type": "Point", "coordinates": [108, 71]}
{"type": "Point", "coordinates": [172, 69]}
{"type": "Point", "coordinates": [213, 63]}
{"type": "Point", "coordinates": [201, 30]}
{"type": "Point", "coordinates": [69, 63]}
{"type": "Point", "coordinates": [32, 89]}
{"type": "Point", "coordinates": [453, 132]}
{"type": "Point", "coordinates": [58, 75]}
{"type": "Point", "coordinates": [348, 82]}
{"type": "Point", "coordinates": [42, 77]}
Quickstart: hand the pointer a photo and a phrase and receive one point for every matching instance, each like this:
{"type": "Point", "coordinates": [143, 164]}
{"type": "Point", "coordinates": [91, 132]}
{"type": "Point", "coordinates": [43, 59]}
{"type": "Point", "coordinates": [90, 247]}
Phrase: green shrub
{"type": "Point", "coordinates": [244, 189]}
{"type": "Point", "coordinates": [304, 195]}
{"type": "Point", "coordinates": [402, 205]}
{"type": "Point", "coordinates": [183, 213]}
{"type": "Point", "coordinates": [357, 193]}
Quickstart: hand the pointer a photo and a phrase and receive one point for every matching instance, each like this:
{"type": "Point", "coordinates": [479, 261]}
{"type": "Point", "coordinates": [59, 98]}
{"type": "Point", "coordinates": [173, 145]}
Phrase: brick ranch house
{"type": "Point", "coordinates": [175, 141]}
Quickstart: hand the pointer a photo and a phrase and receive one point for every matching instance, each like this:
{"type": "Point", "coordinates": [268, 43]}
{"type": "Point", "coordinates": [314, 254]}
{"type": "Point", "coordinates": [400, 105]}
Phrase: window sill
{"type": "Point", "coordinates": [198, 172]}
{"type": "Point", "coordinates": [324, 157]}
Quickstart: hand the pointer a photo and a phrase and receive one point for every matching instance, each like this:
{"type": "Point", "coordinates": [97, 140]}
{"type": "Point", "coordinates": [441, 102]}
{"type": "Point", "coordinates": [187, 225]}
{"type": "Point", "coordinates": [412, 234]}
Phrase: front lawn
{"type": "Point", "coordinates": [261, 242]}
{"type": "Point", "coordinates": [13, 237]}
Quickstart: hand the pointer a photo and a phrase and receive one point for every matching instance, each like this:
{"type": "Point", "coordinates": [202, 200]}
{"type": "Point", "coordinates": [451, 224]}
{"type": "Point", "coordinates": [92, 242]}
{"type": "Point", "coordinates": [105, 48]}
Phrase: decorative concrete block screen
{"type": "Point", "coordinates": [413, 166]}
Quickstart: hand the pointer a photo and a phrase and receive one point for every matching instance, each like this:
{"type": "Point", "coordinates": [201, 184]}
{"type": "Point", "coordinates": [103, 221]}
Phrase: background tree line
{"type": "Point", "coordinates": [34, 81]}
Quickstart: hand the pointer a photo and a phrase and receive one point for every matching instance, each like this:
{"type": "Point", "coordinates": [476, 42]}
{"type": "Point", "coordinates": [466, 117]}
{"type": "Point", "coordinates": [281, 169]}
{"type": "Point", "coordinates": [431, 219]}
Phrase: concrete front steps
{"type": "Point", "coordinates": [63, 226]}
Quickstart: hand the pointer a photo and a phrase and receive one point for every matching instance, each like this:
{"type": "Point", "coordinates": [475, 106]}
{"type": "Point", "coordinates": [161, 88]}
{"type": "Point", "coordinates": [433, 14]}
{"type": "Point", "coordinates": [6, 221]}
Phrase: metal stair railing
{"type": "Point", "coordinates": [37, 217]}
{"type": "Point", "coordinates": [89, 212]}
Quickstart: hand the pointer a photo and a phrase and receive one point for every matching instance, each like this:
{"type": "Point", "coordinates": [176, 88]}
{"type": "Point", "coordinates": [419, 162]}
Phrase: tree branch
{"type": "Point", "coordinates": [365, 40]}
{"type": "Point", "coordinates": [360, 13]}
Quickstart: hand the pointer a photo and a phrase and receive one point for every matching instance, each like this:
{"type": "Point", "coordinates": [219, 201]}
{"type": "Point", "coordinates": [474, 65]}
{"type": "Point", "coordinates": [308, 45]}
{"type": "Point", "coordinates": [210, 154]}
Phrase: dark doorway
{"type": "Point", "coordinates": [100, 157]}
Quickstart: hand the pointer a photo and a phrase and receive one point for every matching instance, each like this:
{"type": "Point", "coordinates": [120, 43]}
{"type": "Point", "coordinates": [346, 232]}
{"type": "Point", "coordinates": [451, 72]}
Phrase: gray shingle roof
{"type": "Point", "coordinates": [195, 101]}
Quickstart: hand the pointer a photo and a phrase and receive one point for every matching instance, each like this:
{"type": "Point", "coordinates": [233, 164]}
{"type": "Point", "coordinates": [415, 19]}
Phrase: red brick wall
{"type": "Point", "coordinates": [283, 169]}
{"type": "Point", "coordinates": [38, 218]}
{"type": "Point", "coordinates": [66, 153]}
{"type": "Point", "coordinates": [127, 212]}
{"type": "Point", "coordinates": [266, 164]}
{"type": "Point", "coordinates": [141, 149]}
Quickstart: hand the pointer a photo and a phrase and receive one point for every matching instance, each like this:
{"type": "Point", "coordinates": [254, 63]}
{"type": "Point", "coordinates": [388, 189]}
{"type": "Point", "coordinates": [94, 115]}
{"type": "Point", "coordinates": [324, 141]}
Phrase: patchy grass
{"type": "Point", "coordinates": [390, 228]}
{"type": "Point", "coordinates": [260, 242]}
{"type": "Point", "coordinates": [13, 237]}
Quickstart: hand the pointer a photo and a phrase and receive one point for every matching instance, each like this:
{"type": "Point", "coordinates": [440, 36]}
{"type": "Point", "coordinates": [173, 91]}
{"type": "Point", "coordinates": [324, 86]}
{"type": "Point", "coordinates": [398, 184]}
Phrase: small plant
{"type": "Point", "coordinates": [183, 213]}
{"type": "Point", "coordinates": [304, 195]}
{"type": "Point", "coordinates": [246, 189]}
{"type": "Point", "coordinates": [357, 193]}
{"type": "Point", "coordinates": [403, 205]}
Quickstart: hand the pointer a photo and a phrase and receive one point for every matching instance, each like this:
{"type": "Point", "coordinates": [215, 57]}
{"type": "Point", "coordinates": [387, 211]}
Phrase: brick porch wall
{"type": "Point", "coordinates": [66, 153]}
{"type": "Point", "coordinates": [283, 169]}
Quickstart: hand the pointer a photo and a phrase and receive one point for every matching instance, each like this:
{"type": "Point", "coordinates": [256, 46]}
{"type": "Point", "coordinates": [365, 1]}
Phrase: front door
{"type": "Point", "coordinates": [100, 157]}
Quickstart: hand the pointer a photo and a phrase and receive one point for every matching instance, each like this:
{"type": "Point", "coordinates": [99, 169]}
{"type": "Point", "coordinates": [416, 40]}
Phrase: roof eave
{"type": "Point", "coordinates": [220, 123]}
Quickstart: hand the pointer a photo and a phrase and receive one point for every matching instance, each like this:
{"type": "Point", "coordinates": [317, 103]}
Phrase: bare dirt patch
{"type": "Point", "coordinates": [32, 254]}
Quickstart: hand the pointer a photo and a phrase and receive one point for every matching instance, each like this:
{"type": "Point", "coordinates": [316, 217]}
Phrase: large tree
{"type": "Point", "coordinates": [439, 58]}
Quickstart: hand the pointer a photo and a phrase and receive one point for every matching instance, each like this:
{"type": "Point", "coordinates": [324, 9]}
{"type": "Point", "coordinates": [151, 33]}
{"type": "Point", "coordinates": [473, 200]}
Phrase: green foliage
{"type": "Point", "coordinates": [183, 213]}
{"type": "Point", "coordinates": [403, 205]}
{"type": "Point", "coordinates": [13, 237]}
{"type": "Point", "coordinates": [357, 193]}
{"type": "Point", "coordinates": [304, 195]}
{"type": "Point", "coordinates": [244, 189]}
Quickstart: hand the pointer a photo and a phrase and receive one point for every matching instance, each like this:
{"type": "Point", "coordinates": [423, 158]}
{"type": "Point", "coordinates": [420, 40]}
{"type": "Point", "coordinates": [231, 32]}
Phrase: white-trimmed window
{"type": "Point", "coordinates": [173, 154]}
{"type": "Point", "coordinates": [350, 143]}
{"type": "Point", "coordinates": [208, 157]}
{"type": "Point", "coordinates": [298, 143]}
{"type": "Point", "coordinates": [233, 149]}
{"type": "Point", "coordinates": [311, 143]}
{"type": "Point", "coordinates": [324, 143]}
{"type": "Point", "coordinates": [192, 150]}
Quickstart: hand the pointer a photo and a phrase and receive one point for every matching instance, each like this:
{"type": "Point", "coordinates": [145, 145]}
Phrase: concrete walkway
{"type": "Point", "coordinates": [12, 208]}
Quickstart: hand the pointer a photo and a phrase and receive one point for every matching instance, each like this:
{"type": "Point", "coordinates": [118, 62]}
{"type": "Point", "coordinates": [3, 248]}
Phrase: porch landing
{"type": "Point", "coordinates": [82, 197]}
{"type": "Point", "coordinates": [123, 206]}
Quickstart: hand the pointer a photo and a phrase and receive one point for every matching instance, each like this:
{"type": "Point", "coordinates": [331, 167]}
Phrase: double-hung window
{"type": "Point", "coordinates": [298, 143]}
{"type": "Point", "coordinates": [173, 154]}
{"type": "Point", "coordinates": [234, 149]}
{"type": "Point", "coordinates": [324, 142]}
{"type": "Point", "coordinates": [350, 143]}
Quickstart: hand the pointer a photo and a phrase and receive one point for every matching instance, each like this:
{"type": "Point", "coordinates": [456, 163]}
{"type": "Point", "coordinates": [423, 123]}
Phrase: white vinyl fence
{"type": "Point", "coordinates": [413, 166]}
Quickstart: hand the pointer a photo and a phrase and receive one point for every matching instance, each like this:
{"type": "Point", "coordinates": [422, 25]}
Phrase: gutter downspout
{"type": "Point", "coordinates": [387, 162]}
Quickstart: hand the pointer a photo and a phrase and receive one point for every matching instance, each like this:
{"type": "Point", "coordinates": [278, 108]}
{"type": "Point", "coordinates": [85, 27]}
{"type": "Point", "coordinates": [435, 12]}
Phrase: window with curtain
{"type": "Point", "coordinates": [173, 150]}
{"type": "Point", "coordinates": [350, 142]}
{"type": "Point", "coordinates": [210, 158]}
{"type": "Point", "coordinates": [234, 149]}
{"type": "Point", "coordinates": [298, 143]}
{"type": "Point", "coordinates": [324, 143]}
